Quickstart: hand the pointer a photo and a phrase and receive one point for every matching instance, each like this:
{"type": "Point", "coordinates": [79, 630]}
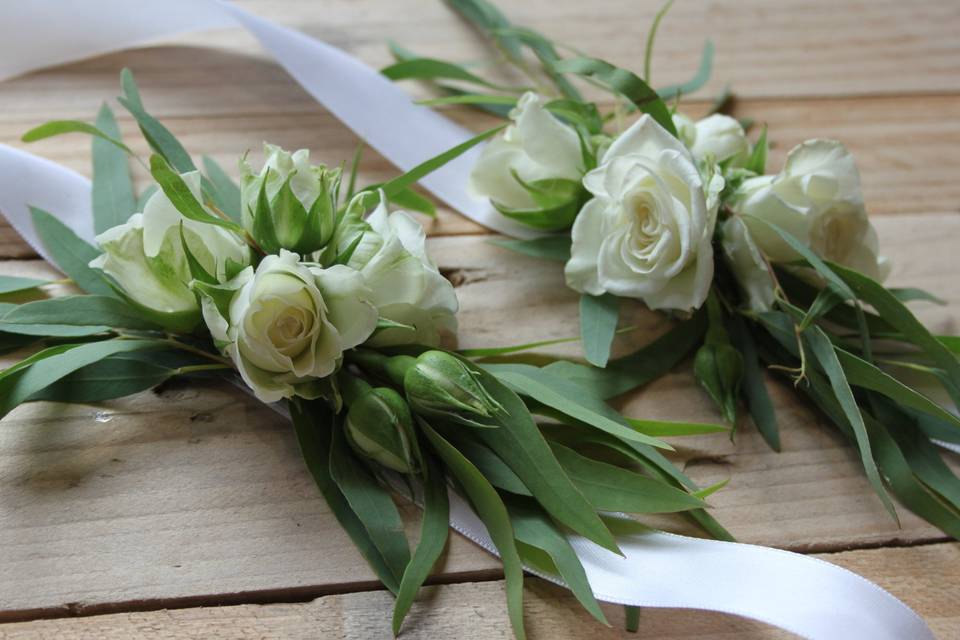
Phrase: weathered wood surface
{"type": "Point", "coordinates": [920, 575]}
{"type": "Point", "coordinates": [197, 496]}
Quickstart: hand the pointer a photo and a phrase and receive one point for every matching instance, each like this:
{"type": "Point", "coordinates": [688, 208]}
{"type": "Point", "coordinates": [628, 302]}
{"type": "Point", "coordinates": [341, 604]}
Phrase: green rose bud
{"type": "Point", "coordinates": [290, 204]}
{"type": "Point", "coordinates": [441, 385]}
{"type": "Point", "coordinates": [379, 426]}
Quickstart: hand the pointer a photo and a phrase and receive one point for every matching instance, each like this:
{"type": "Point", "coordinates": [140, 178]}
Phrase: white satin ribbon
{"type": "Point", "coordinates": [40, 33]}
{"type": "Point", "coordinates": [806, 596]}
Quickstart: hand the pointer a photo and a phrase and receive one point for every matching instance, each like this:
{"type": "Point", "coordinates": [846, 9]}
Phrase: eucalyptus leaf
{"type": "Point", "coordinates": [612, 488]}
{"type": "Point", "coordinates": [490, 508]}
{"type": "Point", "coordinates": [16, 284]}
{"type": "Point", "coordinates": [56, 363]}
{"type": "Point", "coordinates": [371, 503]}
{"type": "Point", "coordinates": [60, 127]}
{"type": "Point", "coordinates": [314, 424]}
{"type": "Point", "coordinates": [622, 82]}
{"type": "Point", "coordinates": [570, 399]}
{"type": "Point", "coordinates": [757, 162]}
{"type": "Point", "coordinates": [158, 136]}
{"type": "Point", "coordinates": [521, 445]}
{"type": "Point", "coordinates": [639, 368]}
{"type": "Point", "coordinates": [825, 355]}
{"type": "Point", "coordinates": [486, 17]}
{"type": "Point", "coordinates": [434, 530]}
{"type": "Point", "coordinates": [754, 385]}
{"type": "Point", "coordinates": [176, 189]}
{"type": "Point", "coordinates": [227, 191]}
{"type": "Point", "coordinates": [555, 248]}
{"type": "Point", "coordinates": [78, 310]}
{"type": "Point", "coordinates": [110, 378]}
{"type": "Point", "coordinates": [431, 69]}
{"type": "Point", "coordinates": [69, 253]}
{"type": "Point", "coordinates": [911, 294]}
{"type": "Point", "coordinates": [598, 325]}
{"type": "Point", "coordinates": [652, 37]}
{"type": "Point", "coordinates": [489, 463]}
{"type": "Point", "coordinates": [699, 79]}
{"type": "Point", "coordinates": [112, 186]}
{"type": "Point", "coordinates": [532, 526]}
{"type": "Point", "coordinates": [666, 429]}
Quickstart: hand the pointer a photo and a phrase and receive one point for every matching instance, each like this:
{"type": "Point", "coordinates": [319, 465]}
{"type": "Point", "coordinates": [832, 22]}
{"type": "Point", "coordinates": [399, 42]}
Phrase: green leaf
{"type": "Point", "coordinates": [197, 270]}
{"type": "Point", "coordinates": [651, 37]}
{"type": "Point", "coordinates": [598, 325]}
{"type": "Point", "coordinates": [754, 385]}
{"type": "Point", "coordinates": [521, 445]}
{"type": "Point", "coordinates": [398, 184]}
{"type": "Point", "coordinates": [79, 310]}
{"type": "Point", "coordinates": [371, 503]}
{"type": "Point", "coordinates": [612, 488]}
{"type": "Point", "coordinates": [757, 162]}
{"type": "Point", "coordinates": [20, 382]}
{"type": "Point", "coordinates": [112, 187]}
{"type": "Point", "coordinates": [226, 191]}
{"type": "Point", "coordinates": [431, 69]}
{"type": "Point", "coordinates": [717, 366]}
{"type": "Point", "coordinates": [556, 248]}
{"type": "Point", "coordinates": [158, 136]}
{"type": "Point", "coordinates": [16, 284]}
{"type": "Point", "coordinates": [264, 231]}
{"type": "Point", "coordinates": [491, 510]}
{"type": "Point", "coordinates": [861, 373]}
{"type": "Point", "coordinates": [547, 55]}
{"type": "Point", "coordinates": [413, 201]}
{"type": "Point", "coordinates": [113, 377]}
{"type": "Point", "coordinates": [665, 429]}
{"type": "Point", "coordinates": [622, 82]}
{"type": "Point", "coordinates": [70, 254]}
{"type": "Point", "coordinates": [896, 314]}
{"type": "Point", "coordinates": [314, 424]}
{"type": "Point", "coordinates": [911, 294]}
{"type": "Point", "coordinates": [699, 79]}
{"type": "Point", "coordinates": [486, 17]}
{"type": "Point", "coordinates": [59, 127]}
{"type": "Point", "coordinates": [486, 352]}
{"type": "Point", "coordinates": [557, 203]}
{"type": "Point", "coordinates": [489, 463]}
{"type": "Point", "coordinates": [434, 529]}
{"type": "Point", "coordinates": [532, 526]}
{"type": "Point", "coordinates": [569, 399]}
{"type": "Point", "coordinates": [826, 356]}
{"type": "Point", "coordinates": [182, 198]}
{"type": "Point", "coordinates": [639, 368]}
{"type": "Point", "coordinates": [8, 330]}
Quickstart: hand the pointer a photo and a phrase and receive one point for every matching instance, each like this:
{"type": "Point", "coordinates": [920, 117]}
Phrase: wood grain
{"type": "Point", "coordinates": [197, 492]}
{"type": "Point", "coordinates": [923, 577]}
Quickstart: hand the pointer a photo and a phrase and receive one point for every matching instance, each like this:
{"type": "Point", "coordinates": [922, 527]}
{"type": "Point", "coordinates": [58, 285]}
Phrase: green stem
{"type": "Point", "coordinates": [632, 619]}
{"type": "Point", "coordinates": [391, 368]}
{"type": "Point", "coordinates": [201, 367]}
{"type": "Point", "coordinates": [195, 350]}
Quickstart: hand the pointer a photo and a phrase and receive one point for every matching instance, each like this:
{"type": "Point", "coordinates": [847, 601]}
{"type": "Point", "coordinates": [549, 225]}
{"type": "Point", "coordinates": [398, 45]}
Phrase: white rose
{"type": "Point", "coordinates": [748, 264]}
{"type": "Point", "coordinates": [718, 136]}
{"type": "Point", "coordinates": [405, 284]}
{"type": "Point", "coordinates": [303, 222]}
{"type": "Point", "coordinates": [647, 231]}
{"type": "Point", "coordinates": [287, 324]}
{"type": "Point", "coordinates": [145, 255]}
{"type": "Point", "coordinates": [816, 198]}
{"type": "Point", "coordinates": [537, 146]}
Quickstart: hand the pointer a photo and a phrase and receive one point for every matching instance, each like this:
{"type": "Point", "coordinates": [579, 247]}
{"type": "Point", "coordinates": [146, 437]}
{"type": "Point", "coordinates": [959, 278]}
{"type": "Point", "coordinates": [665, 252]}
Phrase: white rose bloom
{"type": "Point", "coordinates": [647, 231]}
{"type": "Point", "coordinates": [145, 256]}
{"type": "Point", "coordinates": [405, 284]}
{"type": "Point", "coordinates": [537, 146]}
{"type": "Point", "coordinates": [718, 136]}
{"type": "Point", "coordinates": [816, 198]}
{"type": "Point", "coordinates": [748, 264]}
{"type": "Point", "coordinates": [286, 324]}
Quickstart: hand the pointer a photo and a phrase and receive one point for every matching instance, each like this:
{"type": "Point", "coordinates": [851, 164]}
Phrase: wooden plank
{"type": "Point", "coordinates": [906, 148]}
{"type": "Point", "coordinates": [925, 577]}
{"type": "Point", "coordinates": [197, 491]}
{"type": "Point", "coordinates": [793, 48]}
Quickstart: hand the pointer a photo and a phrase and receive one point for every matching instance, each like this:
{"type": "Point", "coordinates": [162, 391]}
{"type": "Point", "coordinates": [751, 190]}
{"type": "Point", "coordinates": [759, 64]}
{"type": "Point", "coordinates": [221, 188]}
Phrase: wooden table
{"type": "Point", "coordinates": [187, 513]}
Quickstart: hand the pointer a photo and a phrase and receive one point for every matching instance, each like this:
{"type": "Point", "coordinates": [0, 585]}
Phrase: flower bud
{"type": "Point", "coordinates": [379, 426]}
{"type": "Point", "coordinates": [290, 204]}
{"type": "Point", "coordinates": [439, 384]}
